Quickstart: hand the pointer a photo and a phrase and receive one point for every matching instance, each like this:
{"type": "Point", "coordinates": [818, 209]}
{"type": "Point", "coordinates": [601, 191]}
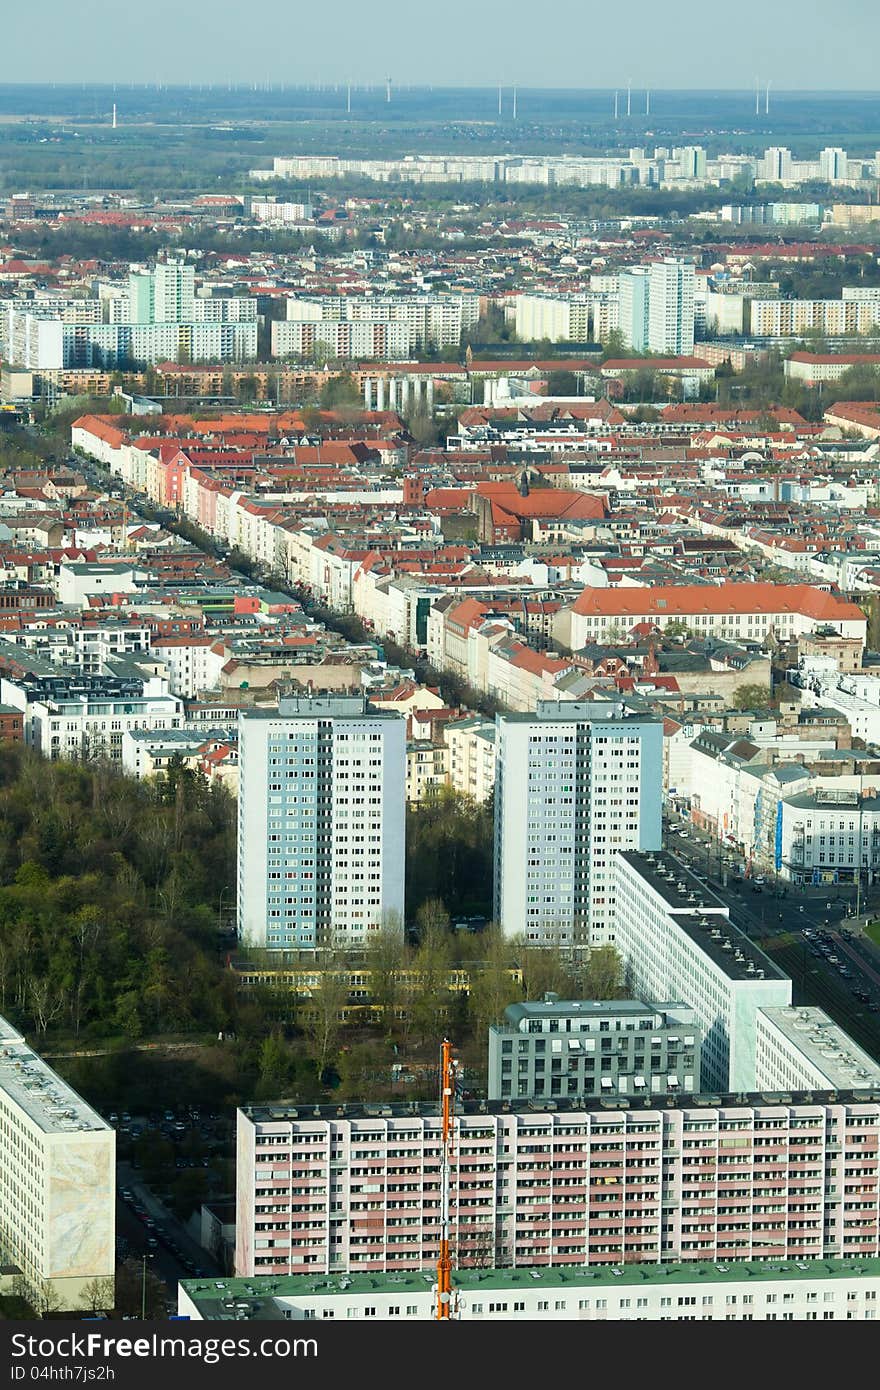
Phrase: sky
{"type": "Point", "coordinates": [799, 44]}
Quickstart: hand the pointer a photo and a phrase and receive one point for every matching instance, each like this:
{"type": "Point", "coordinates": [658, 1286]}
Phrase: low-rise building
{"type": "Point", "coordinates": [593, 1047]}
{"type": "Point", "coordinates": [802, 1049]}
{"type": "Point", "coordinates": [742, 1291]}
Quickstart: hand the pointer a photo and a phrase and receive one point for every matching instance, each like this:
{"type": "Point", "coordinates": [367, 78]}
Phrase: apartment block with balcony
{"type": "Point", "coordinates": [575, 782]}
{"type": "Point", "coordinates": [356, 1189]}
{"type": "Point", "coordinates": [321, 822]}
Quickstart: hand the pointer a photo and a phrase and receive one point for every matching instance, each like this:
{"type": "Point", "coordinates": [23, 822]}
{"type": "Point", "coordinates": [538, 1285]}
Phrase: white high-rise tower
{"type": "Point", "coordinates": [671, 308]}
{"type": "Point", "coordinates": [322, 787]}
{"type": "Point", "coordinates": [575, 783]}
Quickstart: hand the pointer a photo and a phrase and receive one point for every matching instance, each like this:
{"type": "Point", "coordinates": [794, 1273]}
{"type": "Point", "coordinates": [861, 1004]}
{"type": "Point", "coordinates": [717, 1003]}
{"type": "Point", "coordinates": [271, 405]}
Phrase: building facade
{"type": "Point", "coordinates": [57, 1181]}
{"type": "Point", "coordinates": [671, 307]}
{"type": "Point", "coordinates": [747, 1177]}
{"type": "Point", "coordinates": [676, 937]}
{"type": "Point", "coordinates": [575, 782]}
{"type": "Point", "coordinates": [633, 297]}
{"type": "Point", "coordinates": [593, 1047]}
{"type": "Point", "coordinates": [753, 1291]}
{"type": "Point", "coordinates": [320, 822]}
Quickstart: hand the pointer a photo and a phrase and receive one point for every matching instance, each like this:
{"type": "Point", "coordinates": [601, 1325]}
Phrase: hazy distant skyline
{"type": "Point", "coordinates": [473, 43]}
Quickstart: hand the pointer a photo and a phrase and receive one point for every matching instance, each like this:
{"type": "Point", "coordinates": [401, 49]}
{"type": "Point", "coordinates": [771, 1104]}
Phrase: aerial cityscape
{"type": "Point", "coordinates": [439, 692]}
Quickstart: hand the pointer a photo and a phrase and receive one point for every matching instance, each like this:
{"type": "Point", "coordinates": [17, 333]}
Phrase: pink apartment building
{"type": "Point", "coordinates": [324, 1190]}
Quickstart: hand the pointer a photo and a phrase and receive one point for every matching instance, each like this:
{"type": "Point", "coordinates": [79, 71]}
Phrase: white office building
{"type": "Point", "coordinates": [57, 1181]}
{"type": "Point", "coordinates": [828, 835]}
{"type": "Point", "coordinates": [633, 299]}
{"type": "Point", "coordinates": [320, 822]}
{"type": "Point", "coordinates": [575, 783]}
{"type": "Point", "coordinates": [677, 940]}
{"type": "Point", "coordinates": [174, 287]}
{"type": "Point", "coordinates": [671, 307]}
{"type": "Point", "coordinates": [743, 1291]}
{"type": "Point", "coordinates": [833, 165]}
{"type": "Point", "coordinates": [802, 1049]}
{"type": "Point", "coordinates": [775, 167]}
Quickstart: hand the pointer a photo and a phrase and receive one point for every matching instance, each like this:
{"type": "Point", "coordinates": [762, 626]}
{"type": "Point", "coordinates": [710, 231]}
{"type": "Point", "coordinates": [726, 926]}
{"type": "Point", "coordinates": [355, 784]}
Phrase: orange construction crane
{"type": "Point", "coordinates": [447, 1302]}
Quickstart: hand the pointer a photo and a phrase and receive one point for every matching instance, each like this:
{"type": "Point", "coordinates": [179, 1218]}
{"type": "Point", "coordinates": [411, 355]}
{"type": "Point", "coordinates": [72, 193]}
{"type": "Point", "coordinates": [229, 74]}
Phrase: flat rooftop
{"type": "Point", "coordinates": [565, 1009]}
{"type": "Point", "coordinates": [543, 1111]}
{"type": "Point", "coordinates": [825, 1044]}
{"type": "Point", "coordinates": [703, 916]}
{"type": "Point", "coordinates": [581, 712]}
{"type": "Point", "coordinates": [40, 1092]}
{"type": "Point", "coordinates": [256, 1294]}
{"type": "Point", "coordinates": [322, 707]}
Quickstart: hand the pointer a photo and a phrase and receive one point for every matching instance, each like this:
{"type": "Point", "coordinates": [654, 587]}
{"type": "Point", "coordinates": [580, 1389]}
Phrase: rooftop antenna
{"type": "Point", "coordinates": [767, 101]}
{"type": "Point", "coordinates": [615, 105]}
{"type": "Point", "coordinates": [388, 89]}
{"type": "Point", "coordinates": [628, 95]}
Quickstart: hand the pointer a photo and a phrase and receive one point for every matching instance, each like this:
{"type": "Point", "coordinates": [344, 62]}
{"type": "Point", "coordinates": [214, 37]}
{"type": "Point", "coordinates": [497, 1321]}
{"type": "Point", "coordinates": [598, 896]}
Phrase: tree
{"type": "Point", "coordinates": [384, 960]}
{"type": "Point", "coordinates": [546, 970]}
{"type": "Point", "coordinates": [677, 628]}
{"type": "Point", "coordinates": [562, 384]}
{"type": "Point", "coordinates": [340, 390]}
{"type": "Point", "coordinates": [276, 1067]}
{"type": "Point", "coordinates": [615, 346]}
{"type": "Point", "coordinates": [429, 1000]}
{"type": "Point", "coordinates": [751, 696]}
{"type": "Point", "coordinates": [248, 389]}
{"type": "Point", "coordinates": [476, 1246]}
{"type": "Point", "coordinates": [603, 974]}
{"type": "Point", "coordinates": [44, 1298]}
{"type": "Point", "coordinates": [98, 1296]}
{"type": "Point", "coordinates": [423, 429]}
{"type": "Point", "coordinates": [493, 987]}
{"type": "Point", "coordinates": [321, 1016]}
{"type": "Point", "coordinates": [139, 1289]}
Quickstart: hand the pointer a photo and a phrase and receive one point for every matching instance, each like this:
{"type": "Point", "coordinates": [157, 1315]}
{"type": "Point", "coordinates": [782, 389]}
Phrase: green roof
{"type": "Point", "coordinates": [204, 1291]}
